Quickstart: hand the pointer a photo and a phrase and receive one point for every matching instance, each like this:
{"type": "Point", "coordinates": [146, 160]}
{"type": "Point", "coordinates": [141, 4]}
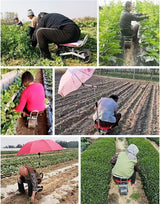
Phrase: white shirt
{"type": "Point", "coordinates": [107, 107]}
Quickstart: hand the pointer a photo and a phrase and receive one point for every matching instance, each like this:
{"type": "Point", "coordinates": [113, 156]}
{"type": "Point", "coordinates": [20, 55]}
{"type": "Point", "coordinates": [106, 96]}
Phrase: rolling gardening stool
{"type": "Point", "coordinates": [126, 42]}
{"type": "Point", "coordinates": [32, 119]}
{"type": "Point", "coordinates": [72, 49]}
{"type": "Point", "coordinates": [122, 184]}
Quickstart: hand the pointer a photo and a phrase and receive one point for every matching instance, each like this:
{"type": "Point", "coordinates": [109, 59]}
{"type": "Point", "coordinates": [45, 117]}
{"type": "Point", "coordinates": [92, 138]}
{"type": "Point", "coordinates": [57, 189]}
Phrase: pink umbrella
{"type": "Point", "coordinates": [38, 146]}
{"type": "Point", "coordinates": [72, 79]}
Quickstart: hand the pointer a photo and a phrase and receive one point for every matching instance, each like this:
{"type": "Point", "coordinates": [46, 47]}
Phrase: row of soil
{"type": "Point", "coordinates": [60, 185]}
{"type": "Point", "coordinates": [138, 102]}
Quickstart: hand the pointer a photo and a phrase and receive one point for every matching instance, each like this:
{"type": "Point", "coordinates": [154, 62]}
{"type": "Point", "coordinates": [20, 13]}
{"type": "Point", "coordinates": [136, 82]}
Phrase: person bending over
{"type": "Point", "coordinates": [54, 28]}
{"type": "Point", "coordinates": [31, 177]}
{"type": "Point", "coordinates": [33, 24]}
{"type": "Point", "coordinates": [126, 164]}
{"type": "Point", "coordinates": [107, 112]}
{"type": "Point", "coordinates": [33, 97]}
{"type": "Point", "coordinates": [125, 21]}
{"type": "Point", "coordinates": [18, 22]}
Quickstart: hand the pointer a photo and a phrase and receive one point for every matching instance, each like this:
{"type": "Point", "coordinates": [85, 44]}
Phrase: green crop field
{"type": "Point", "coordinates": [10, 162]}
{"type": "Point", "coordinates": [110, 50]}
{"type": "Point", "coordinates": [16, 48]}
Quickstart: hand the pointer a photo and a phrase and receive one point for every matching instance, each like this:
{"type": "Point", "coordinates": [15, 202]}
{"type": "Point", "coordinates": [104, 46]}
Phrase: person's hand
{"type": "Point", "coordinates": [33, 196]}
{"type": "Point", "coordinates": [14, 109]}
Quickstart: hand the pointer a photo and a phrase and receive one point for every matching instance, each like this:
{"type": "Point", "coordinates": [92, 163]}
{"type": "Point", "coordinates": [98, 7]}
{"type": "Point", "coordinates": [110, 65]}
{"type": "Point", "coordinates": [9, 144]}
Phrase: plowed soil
{"type": "Point", "coordinates": [138, 104]}
{"type": "Point", "coordinates": [21, 126]}
{"type": "Point", "coordinates": [60, 185]}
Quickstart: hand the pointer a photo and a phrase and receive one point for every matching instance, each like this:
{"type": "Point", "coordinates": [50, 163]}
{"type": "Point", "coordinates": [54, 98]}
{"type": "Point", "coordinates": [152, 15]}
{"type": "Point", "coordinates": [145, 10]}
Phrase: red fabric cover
{"type": "Point", "coordinates": [102, 128]}
{"type": "Point", "coordinates": [39, 146]}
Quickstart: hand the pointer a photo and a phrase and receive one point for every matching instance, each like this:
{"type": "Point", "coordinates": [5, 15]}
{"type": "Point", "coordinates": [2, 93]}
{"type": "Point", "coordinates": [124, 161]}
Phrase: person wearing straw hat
{"type": "Point", "coordinates": [126, 164]}
{"type": "Point", "coordinates": [32, 178]}
{"type": "Point", "coordinates": [107, 112]}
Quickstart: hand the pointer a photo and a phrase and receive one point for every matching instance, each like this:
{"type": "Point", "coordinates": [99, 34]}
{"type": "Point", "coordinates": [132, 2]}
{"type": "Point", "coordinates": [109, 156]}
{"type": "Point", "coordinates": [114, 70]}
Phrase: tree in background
{"type": "Point", "coordinates": [8, 18]}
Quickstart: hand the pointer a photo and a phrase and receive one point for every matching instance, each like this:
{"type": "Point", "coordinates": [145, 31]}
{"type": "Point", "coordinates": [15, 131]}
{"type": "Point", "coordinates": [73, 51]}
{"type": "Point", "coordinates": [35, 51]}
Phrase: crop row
{"type": "Point", "coordinates": [149, 32]}
{"type": "Point", "coordinates": [17, 49]}
{"type": "Point", "coordinates": [109, 34]}
{"type": "Point", "coordinates": [154, 139]}
{"type": "Point", "coordinates": [148, 159]}
{"type": "Point", "coordinates": [96, 171]}
{"type": "Point", "coordinates": [11, 166]}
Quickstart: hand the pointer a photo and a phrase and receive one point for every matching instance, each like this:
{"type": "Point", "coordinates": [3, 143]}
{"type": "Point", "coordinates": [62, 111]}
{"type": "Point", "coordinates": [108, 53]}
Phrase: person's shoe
{"type": "Point", "coordinates": [39, 188]}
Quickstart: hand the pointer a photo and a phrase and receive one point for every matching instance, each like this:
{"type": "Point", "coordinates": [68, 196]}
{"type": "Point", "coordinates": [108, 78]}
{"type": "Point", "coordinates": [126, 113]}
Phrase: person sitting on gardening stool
{"type": "Point", "coordinates": [54, 28]}
{"type": "Point", "coordinates": [107, 112]}
{"type": "Point", "coordinates": [126, 164]}
{"type": "Point", "coordinates": [125, 21]}
{"type": "Point", "coordinates": [32, 178]}
{"type": "Point", "coordinates": [33, 97]}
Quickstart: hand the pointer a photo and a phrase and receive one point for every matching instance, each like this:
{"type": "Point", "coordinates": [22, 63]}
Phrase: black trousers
{"type": "Point", "coordinates": [66, 34]}
{"type": "Point", "coordinates": [108, 124]}
{"type": "Point", "coordinates": [21, 186]}
{"type": "Point", "coordinates": [131, 32]}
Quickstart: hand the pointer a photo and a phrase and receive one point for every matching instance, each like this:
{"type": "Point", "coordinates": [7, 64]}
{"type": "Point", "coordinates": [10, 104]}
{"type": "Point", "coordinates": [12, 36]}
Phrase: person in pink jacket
{"type": "Point", "coordinates": [32, 97]}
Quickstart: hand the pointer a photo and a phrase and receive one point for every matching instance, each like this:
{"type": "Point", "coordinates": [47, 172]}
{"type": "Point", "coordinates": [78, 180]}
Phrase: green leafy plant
{"type": "Point", "coordinates": [109, 34]}
{"type": "Point", "coordinates": [96, 171]}
{"type": "Point", "coordinates": [148, 159]}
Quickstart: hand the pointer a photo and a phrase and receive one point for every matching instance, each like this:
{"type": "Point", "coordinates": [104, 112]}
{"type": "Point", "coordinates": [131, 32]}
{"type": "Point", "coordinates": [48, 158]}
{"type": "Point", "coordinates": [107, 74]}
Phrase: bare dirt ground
{"type": "Point", "coordinates": [21, 127]}
{"type": "Point", "coordinates": [60, 185]}
{"type": "Point", "coordinates": [138, 104]}
{"type": "Point", "coordinates": [130, 55]}
{"type": "Point", "coordinates": [114, 197]}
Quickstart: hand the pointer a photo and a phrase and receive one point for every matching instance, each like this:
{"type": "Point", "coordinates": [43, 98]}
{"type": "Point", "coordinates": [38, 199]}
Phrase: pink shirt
{"type": "Point", "coordinates": [34, 97]}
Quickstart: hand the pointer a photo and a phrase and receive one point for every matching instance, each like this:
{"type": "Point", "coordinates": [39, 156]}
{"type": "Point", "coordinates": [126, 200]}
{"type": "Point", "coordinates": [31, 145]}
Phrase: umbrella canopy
{"type": "Point", "coordinates": [72, 79]}
{"type": "Point", "coordinates": [39, 146]}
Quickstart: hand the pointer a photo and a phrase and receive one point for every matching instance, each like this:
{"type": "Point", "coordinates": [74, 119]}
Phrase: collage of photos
{"type": "Point", "coordinates": [79, 105]}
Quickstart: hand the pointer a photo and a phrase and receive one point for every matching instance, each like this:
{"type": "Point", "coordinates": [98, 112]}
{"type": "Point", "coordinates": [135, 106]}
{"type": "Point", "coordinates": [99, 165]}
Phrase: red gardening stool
{"type": "Point", "coordinates": [121, 181]}
{"type": "Point", "coordinates": [102, 128]}
{"type": "Point", "coordinates": [122, 184]}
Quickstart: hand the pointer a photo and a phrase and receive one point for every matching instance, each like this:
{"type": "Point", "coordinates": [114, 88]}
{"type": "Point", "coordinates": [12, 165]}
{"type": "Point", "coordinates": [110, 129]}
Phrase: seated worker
{"type": "Point", "coordinates": [54, 28]}
{"type": "Point", "coordinates": [126, 164]}
{"type": "Point", "coordinates": [33, 97]}
{"type": "Point", "coordinates": [18, 22]}
{"type": "Point", "coordinates": [34, 22]}
{"type": "Point", "coordinates": [32, 178]}
{"type": "Point", "coordinates": [125, 21]}
{"type": "Point", "coordinates": [107, 112]}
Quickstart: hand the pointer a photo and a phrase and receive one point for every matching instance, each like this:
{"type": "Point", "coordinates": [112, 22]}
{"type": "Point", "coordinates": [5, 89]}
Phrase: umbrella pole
{"type": "Point", "coordinates": [39, 160]}
{"type": "Point", "coordinates": [97, 109]}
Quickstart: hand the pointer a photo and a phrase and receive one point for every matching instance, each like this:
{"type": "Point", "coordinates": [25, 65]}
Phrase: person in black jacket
{"type": "Point", "coordinates": [127, 17]}
{"type": "Point", "coordinates": [54, 28]}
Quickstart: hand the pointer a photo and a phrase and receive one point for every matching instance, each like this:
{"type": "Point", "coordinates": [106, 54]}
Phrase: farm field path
{"type": "Point", "coordinates": [138, 105]}
{"type": "Point", "coordinates": [60, 185]}
{"type": "Point", "coordinates": [114, 197]}
{"type": "Point", "coordinates": [21, 128]}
